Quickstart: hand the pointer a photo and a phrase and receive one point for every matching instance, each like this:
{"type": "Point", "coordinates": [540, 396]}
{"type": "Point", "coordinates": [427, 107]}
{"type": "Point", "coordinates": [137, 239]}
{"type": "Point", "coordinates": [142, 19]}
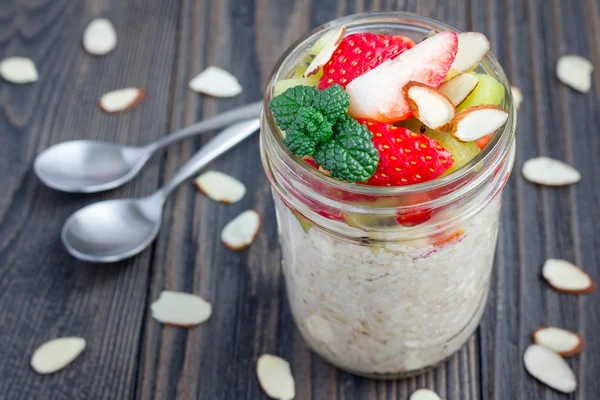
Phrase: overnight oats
{"type": "Point", "coordinates": [387, 139]}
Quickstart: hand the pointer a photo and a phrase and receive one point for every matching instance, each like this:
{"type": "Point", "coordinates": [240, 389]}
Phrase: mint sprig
{"type": "Point", "coordinates": [316, 123]}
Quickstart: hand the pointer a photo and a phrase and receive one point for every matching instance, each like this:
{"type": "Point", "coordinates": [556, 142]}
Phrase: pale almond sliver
{"type": "Point", "coordinates": [275, 377]}
{"type": "Point", "coordinates": [220, 187]}
{"type": "Point", "coordinates": [550, 172]}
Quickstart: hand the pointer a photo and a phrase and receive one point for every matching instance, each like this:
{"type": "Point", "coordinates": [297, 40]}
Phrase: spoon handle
{"type": "Point", "coordinates": [218, 145]}
{"type": "Point", "coordinates": [251, 110]}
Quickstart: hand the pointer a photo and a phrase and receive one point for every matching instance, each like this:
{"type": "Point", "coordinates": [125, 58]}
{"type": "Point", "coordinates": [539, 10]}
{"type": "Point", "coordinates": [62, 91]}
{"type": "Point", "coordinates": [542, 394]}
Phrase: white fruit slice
{"type": "Point", "coordinates": [567, 277]}
{"type": "Point", "coordinates": [458, 88]}
{"type": "Point", "coordinates": [99, 37]}
{"type": "Point", "coordinates": [275, 377]}
{"type": "Point", "coordinates": [325, 54]}
{"type": "Point", "coordinates": [517, 96]}
{"type": "Point", "coordinates": [429, 105]}
{"type": "Point", "coordinates": [56, 354]}
{"type": "Point", "coordinates": [220, 187]}
{"type": "Point", "coordinates": [550, 172]}
{"type": "Point", "coordinates": [478, 121]}
{"type": "Point", "coordinates": [180, 309]}
{"type": "Point", "coordinates": [549, 368]}
{"type": "Point", "coordinates": [424, 394]}
{"type": "Point", "coordinates": [472, 47]}
{"type": "Point", "coordinates": [241, 231]}
{"type": "Point", "coordinates": [121, 100]}
{"type": "Point", "coordinates": [216, 82]}
{"type": "Point", "coordinates": [374, 94]}
{"type": "Point", "coordinates": [576, 72]}
{"type": "Point", "coordinates": [18, 70]}
{"type": "Point", "coordinates": [562, 341]}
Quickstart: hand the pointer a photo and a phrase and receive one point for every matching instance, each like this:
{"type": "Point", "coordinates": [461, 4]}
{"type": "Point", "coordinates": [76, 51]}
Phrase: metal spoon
{"type": "Point", "coordinates": [113, 230]}
{"type": "Point", "coordinates": [86, 166]}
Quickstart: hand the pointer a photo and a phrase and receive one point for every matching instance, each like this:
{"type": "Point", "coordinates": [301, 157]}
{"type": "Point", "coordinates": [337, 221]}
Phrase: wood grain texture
{"type": "Point", "coordinates": [45, 293]}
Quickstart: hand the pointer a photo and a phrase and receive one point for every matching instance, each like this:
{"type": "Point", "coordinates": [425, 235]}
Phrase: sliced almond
{"type": "Point", "coordinates": [326, 52]}
{"type": "Point", "coordinates": [549, 368]}
{"type": "Point", "coordinates": [241, 231]}
{"type": "Point", "coordinates": [319, 328]}
{"type": "Point", "coordinates": [517, 96]}
{"type": "Point", "coordinates": [458, 88]}
{"type": "Point", "coordinates": [99, 37]}
{"type": "Point", "coordinates": [180, 309]}
{"type": "Point", "coordinates": [216, 82]}
{"type": "Point", "coordinates": [56, 354]}
{"type": "Point", "coordinates": [424, 394]}
{"type": "Point", "coordinates": [576, 72]}
{"type": "Point", "coordinates": [550, 172]}
{"type": "Point", "coordinates": [275, 377]}
{"type": "Point", "coordinates": [562, 341]}
{"type": "Point", "coordinates": [472, 47]}
{"type": "Point", "coordinates": [220, 187]}
{"type": "Point", "coordinates": [121, 100]}
{"type": "Point", "coordinates": [428, 104]}
{"type": "Point", "coordinates": [478, 121]}
{"type": "Point", "coordinates": [18, 70]}
{"type": "Point", "coordinates": [567, 277]}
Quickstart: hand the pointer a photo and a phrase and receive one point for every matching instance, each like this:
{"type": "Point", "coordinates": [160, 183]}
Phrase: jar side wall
{"type": "Point", "coordinates": [387, 308]}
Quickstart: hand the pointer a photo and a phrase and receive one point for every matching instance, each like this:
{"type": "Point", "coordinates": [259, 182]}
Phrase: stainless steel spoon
{"type": "Point", "coordinates": [113, 230]}
{"type": "Point", "coordinates": [86, 166]}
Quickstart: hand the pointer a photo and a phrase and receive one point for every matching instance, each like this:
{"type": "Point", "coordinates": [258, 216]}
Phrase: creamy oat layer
{"type": "Point", "coordinates": [390, 311]}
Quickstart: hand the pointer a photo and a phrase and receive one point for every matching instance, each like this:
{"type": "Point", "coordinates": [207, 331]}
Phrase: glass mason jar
{"type": "Point", "coordinates": [371, 294]}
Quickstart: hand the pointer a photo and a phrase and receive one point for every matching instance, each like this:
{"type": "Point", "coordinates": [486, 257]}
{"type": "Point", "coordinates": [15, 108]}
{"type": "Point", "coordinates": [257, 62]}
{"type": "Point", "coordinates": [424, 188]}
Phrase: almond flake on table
{"type": "Point", "coordinates": [56, 354]}
{"type": "Point", "coordinates": [562, 341]}
{"type": "Point", "coordinates": [333, 41]}
{"type": "Point", "coordinates": [549, 368]}
{"type": "Point", "coordinates": [121, 100]}
{"type": "Point", "coordinates": [240, 232]}
{"type": "Point", "coordinates": [18, 70]}
{"type": "Point", "coordinates": [220, 187]}
{"type": "Point", "coordinates": [458, 88]}
{"type": "Point", "coordinates": [575, 72]}
{"type": "Point", "coordinates": [216, 82]}
{"type": "Point", "coordinates": [472, 47]}
{"type": "Point", "coordinates": [275, 377]}
{"type": "Point", "coordinates": [567, 277]}
{"type": "Point", "coordinates": [428, 104]}
{"type": "Point", "coordinates": [99, 37]}
{"type": "Point", "coordinates": [478, 121]}
{"type": "Point", "coordinates": [424, 394]}
{"type": "Point", "coordinates": [550, 172]}
{"type": "Point", "coordinates": [517, 96]}
{"type": "Point", "coordinates": [184, 310]}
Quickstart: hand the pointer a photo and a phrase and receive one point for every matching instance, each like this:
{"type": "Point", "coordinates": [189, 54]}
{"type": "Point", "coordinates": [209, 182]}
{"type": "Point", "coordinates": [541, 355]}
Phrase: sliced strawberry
{"type": "Point", "coordinates": [377, 94]}
{"type": "Point", "coordinates": [414, 218]}
{"type": "Point", "coordinates": [359, 53]}
{"type": "Point", "coordinates": [310, 161]}
{"type": "Point", "coordinates": [405, 157]}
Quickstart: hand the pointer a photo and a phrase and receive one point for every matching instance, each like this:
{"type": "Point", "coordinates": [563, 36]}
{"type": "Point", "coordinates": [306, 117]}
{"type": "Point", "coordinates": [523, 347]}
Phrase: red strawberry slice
{"type": "Point", "coordinates": [359, 53]}
{"type": "Point", "coordinates": [377, 94]}
{"type": "Point", "coordinates": [405, 157]}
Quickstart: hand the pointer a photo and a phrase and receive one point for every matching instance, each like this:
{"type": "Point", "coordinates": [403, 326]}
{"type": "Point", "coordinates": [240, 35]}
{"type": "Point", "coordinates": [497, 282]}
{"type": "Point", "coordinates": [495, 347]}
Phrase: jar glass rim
{"type": "Point", "coordinates": [500, 144]}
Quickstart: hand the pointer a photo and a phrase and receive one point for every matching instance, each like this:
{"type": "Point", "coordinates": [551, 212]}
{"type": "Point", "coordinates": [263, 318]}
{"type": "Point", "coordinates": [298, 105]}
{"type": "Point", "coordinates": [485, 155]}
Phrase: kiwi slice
{"type": "Point", "coordinates": [487, 91]}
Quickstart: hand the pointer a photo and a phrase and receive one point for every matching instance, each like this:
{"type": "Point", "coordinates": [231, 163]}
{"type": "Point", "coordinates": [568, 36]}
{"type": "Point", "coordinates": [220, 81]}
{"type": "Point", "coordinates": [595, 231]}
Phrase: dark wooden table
{"type": "Point", "coordinates": [45, 293]}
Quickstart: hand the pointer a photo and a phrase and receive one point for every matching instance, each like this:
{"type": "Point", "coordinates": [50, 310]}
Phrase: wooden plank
{"type": "Point", "coordinates": [44, 292]}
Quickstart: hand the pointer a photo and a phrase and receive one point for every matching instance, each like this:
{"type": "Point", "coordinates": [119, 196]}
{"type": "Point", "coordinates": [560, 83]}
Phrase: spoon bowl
{"type": "Point", "coordinates": [85, 166]}
{"type": "Point", "coordinates": [112, 230]}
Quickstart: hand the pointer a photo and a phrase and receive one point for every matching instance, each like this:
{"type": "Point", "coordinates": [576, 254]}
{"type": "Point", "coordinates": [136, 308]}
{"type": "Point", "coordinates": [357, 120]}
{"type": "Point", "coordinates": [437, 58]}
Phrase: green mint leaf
{"type": "Point", "coordinates": [299, 142]}
{"type": "Point", "coordinates": [285, 106]}
{"type": "Point", "coordinates": [350, 154]}
{"type": "Point", "coordinates": [333, 102]}
{"type": "Point", "coordinates": [314, 124]}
